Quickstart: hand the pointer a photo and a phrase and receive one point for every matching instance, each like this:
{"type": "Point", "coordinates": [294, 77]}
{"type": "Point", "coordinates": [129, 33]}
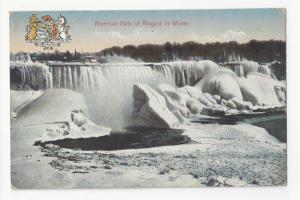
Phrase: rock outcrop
{"type": "Point", "coordinates": [150, 109]}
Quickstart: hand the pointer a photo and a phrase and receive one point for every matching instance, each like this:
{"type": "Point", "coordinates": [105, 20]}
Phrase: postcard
{"type": "Point", "coordinates": [148, 98]}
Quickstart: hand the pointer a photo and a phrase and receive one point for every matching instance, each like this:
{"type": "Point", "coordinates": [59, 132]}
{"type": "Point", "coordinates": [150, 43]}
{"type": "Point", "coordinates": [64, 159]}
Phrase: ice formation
{"type": "Point", "coordinates": [52, 106]}
{"type": "Point", "coordinates": [150, 109]}
{"type": "Point", "coordinates": [63, 108]}
{"type": "Point", "coordinates": [30, 76]}
{"type": "Point", "coordinates": [145, 94]}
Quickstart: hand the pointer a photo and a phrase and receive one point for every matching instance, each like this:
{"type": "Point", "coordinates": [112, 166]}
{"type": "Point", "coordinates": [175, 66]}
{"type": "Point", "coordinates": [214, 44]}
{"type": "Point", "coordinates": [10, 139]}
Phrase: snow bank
{"type": "Point", "coordinates": [63, 112]}
{"type": "Point", "coordinates": [51, 107]}
{"type": "Point", "coordinates": [78, 127]}
{"type": "Point", "coordinates": [20, 98]}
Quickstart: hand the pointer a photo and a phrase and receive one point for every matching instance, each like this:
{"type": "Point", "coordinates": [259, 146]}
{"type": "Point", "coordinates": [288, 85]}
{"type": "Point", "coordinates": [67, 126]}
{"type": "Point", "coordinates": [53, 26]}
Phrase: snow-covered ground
{"type": "Point", "coordinates": [90, 102]}
{"type": "Point", "coordinates": [220, 155]}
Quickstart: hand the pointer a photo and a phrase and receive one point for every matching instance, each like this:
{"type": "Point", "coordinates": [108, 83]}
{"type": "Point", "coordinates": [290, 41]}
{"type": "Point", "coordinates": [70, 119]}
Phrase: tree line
{"type": "Point", "coordinates": [57, 56]}
{"type": "Point", "coordinates": [260, 51]}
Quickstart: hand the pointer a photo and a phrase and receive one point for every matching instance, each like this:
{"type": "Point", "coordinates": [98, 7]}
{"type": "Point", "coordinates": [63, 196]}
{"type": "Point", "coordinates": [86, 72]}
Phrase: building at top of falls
{"type": "Point", "coordinates": [90, 59]}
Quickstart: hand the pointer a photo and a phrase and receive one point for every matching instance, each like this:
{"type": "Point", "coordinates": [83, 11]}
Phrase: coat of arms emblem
{"type": "Point", "coordinates": [47, 32]}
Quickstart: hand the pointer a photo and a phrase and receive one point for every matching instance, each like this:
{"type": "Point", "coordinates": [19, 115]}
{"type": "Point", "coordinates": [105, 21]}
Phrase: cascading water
{"type": "Point", "coordinates": [112, 98]}
{"type": "Point", "coordinates": [239, 70]}
{"type": "Point", "coordinates": [30, 76]}
{"type": "Point", "coordinates": [78, 76]}
{"type": "Point", "coordinates": [108, 88]}
{"type": "Point", "coordinates": [189, 72]}
{"type": "Point", "coordinates": [243, 68]}
{"type": "Point", "coordinates": [73, 77]}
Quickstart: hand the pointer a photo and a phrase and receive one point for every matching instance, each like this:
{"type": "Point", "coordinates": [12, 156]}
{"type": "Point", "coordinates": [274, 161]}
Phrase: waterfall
{"type": "Point", "coordinates": [244, 68]}
{"type": "Point", "coordinates": [189, 72]}
{"type": "Point", "coordinates": [86, 77]}
{"type": "Point", "coordinates": [264, 69]}
{"type": "Point", "coordinates": [239, 70]}
{"type": "Point", "coordinates": [108, 88]}
{"type": "Point", "coordinates": [29, 75]}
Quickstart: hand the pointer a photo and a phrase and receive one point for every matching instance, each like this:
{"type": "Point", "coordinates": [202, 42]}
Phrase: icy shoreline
{"type": "Point", "coordinates": [223, 155]}
{"type": "Point", "coordinates": [218, 155]}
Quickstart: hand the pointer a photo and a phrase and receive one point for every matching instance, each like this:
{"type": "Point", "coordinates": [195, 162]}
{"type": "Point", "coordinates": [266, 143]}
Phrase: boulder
{"type": "Point", "coordinates": [179, 116]}
{"type": "Point", "coordinates": [196, 107]}
{"type": "Point", "coordinates": [210, 98]}
{"type": "Point", "coordinates": [174, 99]}
{"type": "Point", "coordinates": [153, 111]}
{"type": "Point", "coordinates": [172, 92]}
{"type": "Point", "coordinates": [196, 93]}
{"type": "Point", "coordinates": [223, 102]}
{"type": "Point", "coordinates": [242, 105]}
{"type": "Point", "coordinates": [212, 111]}
{"type": "Point", "coordinates": [217, 98]}
{"type": "Point", "coordinates": [231, 104]}
{"type": "Point", "coordinates": [281, 94]}
{"type": "Point", "coordinates": [78, 118]}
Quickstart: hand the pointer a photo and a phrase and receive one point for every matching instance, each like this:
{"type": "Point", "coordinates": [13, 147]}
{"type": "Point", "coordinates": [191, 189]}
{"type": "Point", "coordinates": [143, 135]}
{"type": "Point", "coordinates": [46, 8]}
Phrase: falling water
{"type": "Point", "coordinates": [108, 88]}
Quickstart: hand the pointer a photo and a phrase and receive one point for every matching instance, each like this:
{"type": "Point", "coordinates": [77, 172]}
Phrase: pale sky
{"type": "Point", "coordinates": [202, 26]}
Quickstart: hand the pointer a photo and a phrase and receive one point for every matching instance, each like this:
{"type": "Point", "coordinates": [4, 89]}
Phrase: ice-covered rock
{"type": "Point", "coordinates": [223, 102]}
{"type": "Point", "coordinates": [212, 111]}
{"type": "Point", "coordinates": [210, 98]}
{"type": "Point", "coordinates": [242, 105]}
{"type": "Point", "coordinates": [223, 83]}
{"type": "Point", "coordinates": [281, 93]}
{"type": "Point", "coordinates": [230, 104]}
{"type": "Point", "coordinates": [78, 118]}
{"type": "Point", "coordinates": [196, 107]}
{"type": "Point", "coordinates": [179, 116]}
{"type": "Point", "coordinates": [172, 92]}
{"type": "Point", "coordinates": [153, 110]}
{"type": "Point", "coordinates": [174, 99]}
{"type": "Point", "coordinates": [196, 93]}
{"type": "Point", "coordinates": [243, 92]}
{"type": "Point", "coordinates": [217, 98]}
